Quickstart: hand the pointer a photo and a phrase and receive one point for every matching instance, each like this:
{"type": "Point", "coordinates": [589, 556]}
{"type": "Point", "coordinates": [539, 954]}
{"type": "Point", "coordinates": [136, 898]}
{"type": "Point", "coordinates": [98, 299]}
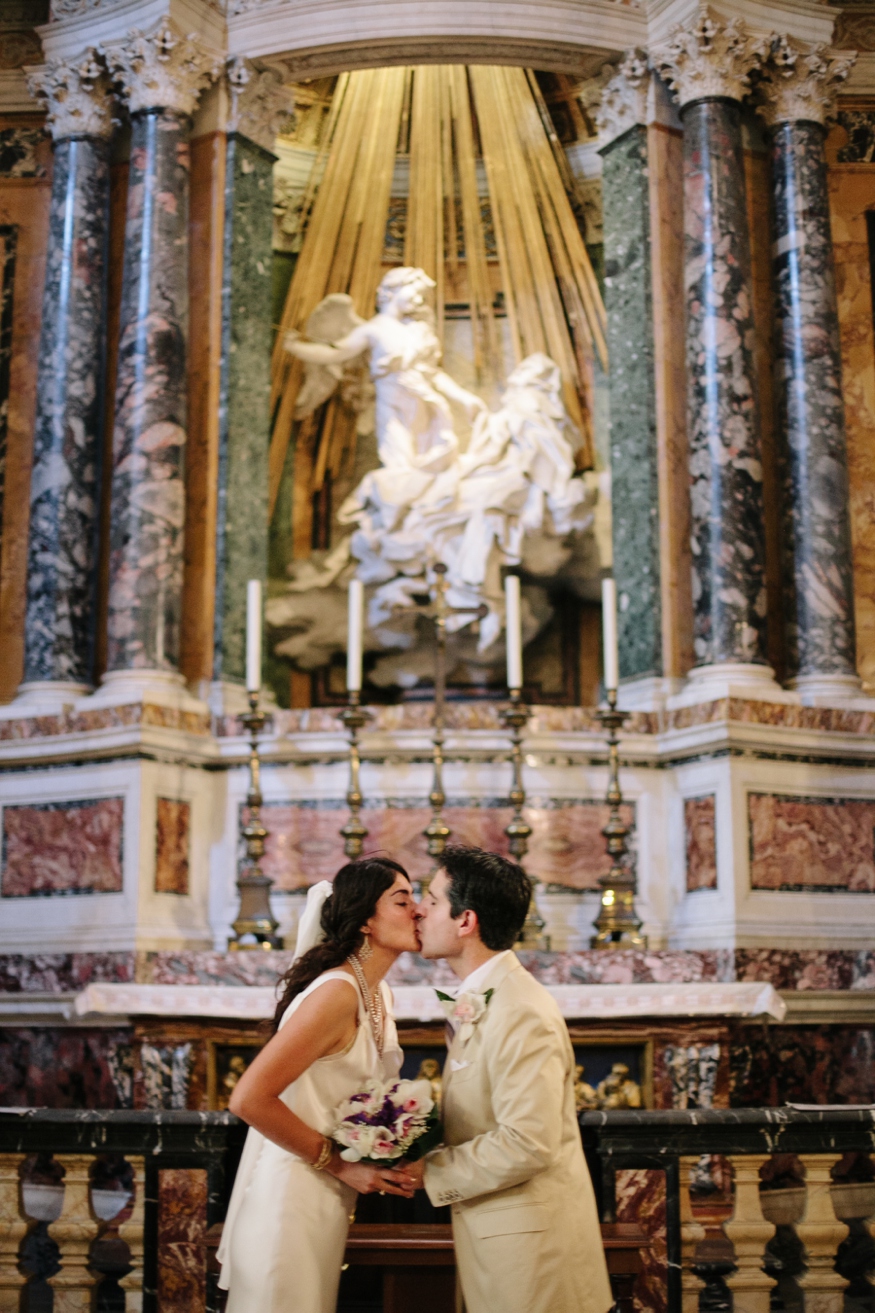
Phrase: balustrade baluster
{"type": "Point", "coordinates": [821, 1233]}
{"type": "Point", "coordinates": [750, 1233]}
{"type": "Point", "coordinates": [131, 1232]}
{"type": "Point", "coordinates": [74, 1232]}
{"type": "Point", "coordinates": [691, 1233]}
{"type": "Point", "coordinates": [13, 1229]}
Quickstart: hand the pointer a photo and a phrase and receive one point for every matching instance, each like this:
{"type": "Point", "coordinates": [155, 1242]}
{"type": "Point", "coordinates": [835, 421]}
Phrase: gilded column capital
{"type": "Point", "coordinates": [800, 80]}
{"type": "Point", "coordinates": [713, 57]}
{"type": "Point", "coordinates": [261, 101]}
{"type": "Point", "coordinates": [623, 102]}
{"type": "Point", "coordinates": [76, 95]}
{"type": "Point", "coordinates": [162, 69]}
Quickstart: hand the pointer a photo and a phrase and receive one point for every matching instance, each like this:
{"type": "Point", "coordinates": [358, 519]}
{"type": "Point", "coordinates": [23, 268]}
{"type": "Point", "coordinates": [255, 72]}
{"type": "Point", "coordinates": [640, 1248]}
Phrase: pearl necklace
{"type": "Point", "coordinates": [374, 1002]}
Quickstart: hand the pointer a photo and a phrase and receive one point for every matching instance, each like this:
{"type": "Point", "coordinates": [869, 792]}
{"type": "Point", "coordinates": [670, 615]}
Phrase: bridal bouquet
{"type": "Point", "coordinates": [383, 1123]}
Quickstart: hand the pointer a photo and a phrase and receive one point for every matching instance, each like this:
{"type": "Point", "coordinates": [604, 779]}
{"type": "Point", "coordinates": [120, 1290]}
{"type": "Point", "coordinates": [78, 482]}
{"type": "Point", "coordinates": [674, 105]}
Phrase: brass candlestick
{"type": "Point", "coordinates": [256, 925]}
{"type": "Point", "coordinates": [437, 831]}
{"type": "Point", "coordinates": [617, 924]}
{"type": "Point", "coordinates": [515, 718]}
{"type": "Point", "coordinates": [354, 833]}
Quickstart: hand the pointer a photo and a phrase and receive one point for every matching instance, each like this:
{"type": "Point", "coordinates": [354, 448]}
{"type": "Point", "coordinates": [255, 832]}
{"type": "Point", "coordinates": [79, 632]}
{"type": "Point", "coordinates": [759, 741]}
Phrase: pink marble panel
{"type": "Point", "coordinates": [701, 842]}
{"type": "Point", "coordinates": [62, 848]}
{"type": "Point", "coordinates": [171, 846]}
{"type": "Point", "coordinates": [567, 846]}
{"type": "Point", "coordinates": [182, 1225]}
{"type": "Point", "coordinates": [811, 843]}
{"type": "Point", "coordinates": [641, 1199]}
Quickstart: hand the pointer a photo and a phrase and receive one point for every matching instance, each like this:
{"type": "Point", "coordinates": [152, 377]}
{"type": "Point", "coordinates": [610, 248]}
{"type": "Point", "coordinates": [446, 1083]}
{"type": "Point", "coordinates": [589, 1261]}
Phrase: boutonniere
{"type": "Point", "coordinates": [466, 1010]}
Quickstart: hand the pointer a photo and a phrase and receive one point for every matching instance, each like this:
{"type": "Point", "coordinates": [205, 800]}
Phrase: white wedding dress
{"type": "Point", "coordinates": [285, 1233]}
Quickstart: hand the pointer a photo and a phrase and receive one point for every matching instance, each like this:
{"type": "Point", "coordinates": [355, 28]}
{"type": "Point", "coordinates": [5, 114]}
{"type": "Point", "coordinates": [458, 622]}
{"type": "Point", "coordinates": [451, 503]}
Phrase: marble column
{"type": "Point", "coordinates": [68, 437]}
{"type": "Point", "coordinates": [162, 74]}
{"type": "Point", "coordinates": [797, 92]}
{"type": "Point", "coordinates": [621, 119]}
{"type": "Point", "coordinates": [708, 65]}
{"type": "Point", "coordinates": [259, 102]}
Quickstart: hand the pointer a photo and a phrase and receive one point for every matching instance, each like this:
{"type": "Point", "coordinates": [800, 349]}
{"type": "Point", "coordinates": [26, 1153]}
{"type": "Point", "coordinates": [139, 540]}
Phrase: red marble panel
{"type": "Point", "coordinates": [566, 847]}
{"type": "Point", "coordinates": [641, 1199]}
{"type": "Point", "coordinates": [171, 846]}
{"type": "Point", "coordinates": [182, 1225]}
{"type": "Point", "coordinates": [811, 843]}
{"type": "Point", "coordinates": [700, 827]}
{"type": "Point", "coordinates": [62, 848]}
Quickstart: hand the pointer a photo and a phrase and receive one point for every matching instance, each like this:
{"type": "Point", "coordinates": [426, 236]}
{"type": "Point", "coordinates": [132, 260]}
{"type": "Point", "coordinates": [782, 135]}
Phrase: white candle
{"type": "Point", "coordinates": [253, 636]}
{"type": "Point", "coordinates": [514, 632]}
{"type": "Point", "coordinates": [355, 637]}
{"type": "Point", "coordinates": [609, 633]}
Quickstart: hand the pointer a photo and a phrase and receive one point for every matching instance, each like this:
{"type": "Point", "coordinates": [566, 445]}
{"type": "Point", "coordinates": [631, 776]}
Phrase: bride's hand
{"type": "Point", "coordinates": [369, 1179]}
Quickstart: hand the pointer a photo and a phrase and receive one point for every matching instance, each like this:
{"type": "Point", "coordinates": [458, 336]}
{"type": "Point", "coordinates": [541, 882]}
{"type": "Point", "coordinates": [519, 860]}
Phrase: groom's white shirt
{"type": "Point", "coordinates": [525, 1223]}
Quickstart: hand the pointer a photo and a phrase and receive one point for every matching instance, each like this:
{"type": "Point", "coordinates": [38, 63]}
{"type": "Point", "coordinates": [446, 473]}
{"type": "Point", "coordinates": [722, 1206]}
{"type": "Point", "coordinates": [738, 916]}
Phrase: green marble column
{"type": "Point", "coordinates": [244, 421]}
{"type": "Point", "coordinates": [634, 495]}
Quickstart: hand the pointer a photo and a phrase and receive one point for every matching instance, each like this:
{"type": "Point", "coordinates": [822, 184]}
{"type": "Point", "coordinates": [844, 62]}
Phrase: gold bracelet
{"type": "Point", "coordinates": [324, 1155]}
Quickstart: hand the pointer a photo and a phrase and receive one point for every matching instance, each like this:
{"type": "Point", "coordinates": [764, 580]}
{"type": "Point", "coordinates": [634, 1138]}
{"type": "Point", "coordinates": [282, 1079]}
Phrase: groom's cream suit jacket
{"type": "Point", "coordinates": [525, 1224]}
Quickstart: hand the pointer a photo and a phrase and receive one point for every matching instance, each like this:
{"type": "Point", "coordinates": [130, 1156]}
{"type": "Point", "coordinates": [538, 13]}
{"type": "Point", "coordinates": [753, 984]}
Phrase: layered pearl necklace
{"type": "Point", "coordinates": [374, 1002]}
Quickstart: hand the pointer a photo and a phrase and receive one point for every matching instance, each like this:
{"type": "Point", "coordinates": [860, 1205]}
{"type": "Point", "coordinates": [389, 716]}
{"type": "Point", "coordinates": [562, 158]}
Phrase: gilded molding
{"type": "Point", "coordinates": [624, 99]}
{"type": "Point", "coordinates": [76, 96]}
{"type": "Point", "coordinates": [800, 81]}
{"type": "Point", "coordinates": [711, 58]}
{"type": "Point", "coordinates": [162, 69]}
{"type": "Point", "coordinates": [261, 102]}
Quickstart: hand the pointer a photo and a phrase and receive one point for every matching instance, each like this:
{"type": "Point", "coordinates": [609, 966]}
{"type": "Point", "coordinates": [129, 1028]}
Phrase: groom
{"type": "Point", "coordinates": [525, 1225]}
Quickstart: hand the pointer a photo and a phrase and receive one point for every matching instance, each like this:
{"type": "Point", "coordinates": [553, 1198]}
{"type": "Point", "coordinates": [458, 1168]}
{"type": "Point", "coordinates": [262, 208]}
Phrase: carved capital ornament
{"type": "Point", "coordinates": [261, 102]}
{"type": "Point", "coordinates": [624, 99]}
{"type": "Point", "coordinates": [800, 81]}
{"type": "Point", "coordinates": [76, 96]}
{"type": "Point", "coordinates": [713, 57]}
{"type": "Point", "coordinates": [162, 69]}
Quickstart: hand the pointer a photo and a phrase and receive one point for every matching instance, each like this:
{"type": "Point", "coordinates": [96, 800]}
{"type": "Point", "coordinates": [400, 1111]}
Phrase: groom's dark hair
{"type": "Point", "coordinates": [496, 889]}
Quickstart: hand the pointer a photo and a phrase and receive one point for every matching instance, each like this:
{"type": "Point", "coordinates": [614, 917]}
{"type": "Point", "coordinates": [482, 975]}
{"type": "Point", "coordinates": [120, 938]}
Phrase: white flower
{"type": "Point", "coordinates": [413, 1096]}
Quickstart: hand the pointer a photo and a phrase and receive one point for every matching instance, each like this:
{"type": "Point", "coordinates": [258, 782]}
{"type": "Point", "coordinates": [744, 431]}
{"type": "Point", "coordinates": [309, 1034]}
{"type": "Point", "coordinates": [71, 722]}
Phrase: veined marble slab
{"type": "Point", "coordinates": [420, 1002]}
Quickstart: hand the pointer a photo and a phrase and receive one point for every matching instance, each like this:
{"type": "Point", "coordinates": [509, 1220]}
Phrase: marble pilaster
{"type": "Point", "coordinates": [708, 66]}
{"type": "Point", "coordinates": [162, 75]}
{"type": "Point", "coordinates": [797, 92]}
{"type": "Point", "coordinates": [259, 102]}
{"type": "Point", "coordinates": [65, 478]}
{"type": "Point", "coordinates": [628, 298]}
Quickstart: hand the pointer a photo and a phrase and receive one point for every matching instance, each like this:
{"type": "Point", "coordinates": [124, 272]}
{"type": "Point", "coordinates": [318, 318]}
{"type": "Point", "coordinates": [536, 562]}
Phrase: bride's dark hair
{"type": "Point", "coordinates": [357, 889]}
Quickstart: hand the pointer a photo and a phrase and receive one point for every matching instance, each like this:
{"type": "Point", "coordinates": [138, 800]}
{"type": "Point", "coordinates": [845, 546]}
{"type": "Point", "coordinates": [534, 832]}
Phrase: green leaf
{"type": "Point", "coordinates": [447, 998]}
{"type": "Point", "coordinates": [488, 995]}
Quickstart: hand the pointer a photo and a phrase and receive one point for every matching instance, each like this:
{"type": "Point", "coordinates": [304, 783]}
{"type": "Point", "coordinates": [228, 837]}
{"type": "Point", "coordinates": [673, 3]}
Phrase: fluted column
{"type": "Point", "coordinates": [68, 439]}
{"type": "Point", "coordinates": [162, 74]}
{"type": "Point", "coordinates": [708, 64]}
{"type": "Point", "coordinates": [260, 101]}
{"type": "Point", "coordinates": [797, 93]}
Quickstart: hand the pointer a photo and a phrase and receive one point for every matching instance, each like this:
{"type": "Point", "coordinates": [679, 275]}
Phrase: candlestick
{"type": "Point", "coordinates": [437, 831]}
{"type": "Point", "coordinates": [354, 833]}
{"type": "Point", "coordinates": [609, 633]}
{"type": "Point", "coordinates": [515, 718]}
{"type": "Point", "coordinates": [617, 924]}
{"type": "Point", "coordinates": [255, 926]}
{"type": "Point", "coordinates": [513, 631]}
{"type": "Point", "coordinates": [355, 637]}
{"type": "Point", "coordinates": [253, 636]}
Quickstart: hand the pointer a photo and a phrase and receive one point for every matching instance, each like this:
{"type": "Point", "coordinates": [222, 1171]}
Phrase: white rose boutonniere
{"type": "Point", "coordinates": [466, 1010]}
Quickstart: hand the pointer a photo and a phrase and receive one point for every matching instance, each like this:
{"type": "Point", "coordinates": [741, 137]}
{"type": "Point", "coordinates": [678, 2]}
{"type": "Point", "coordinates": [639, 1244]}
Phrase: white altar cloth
{"type": "Point", "coordinates": [420, 1003]}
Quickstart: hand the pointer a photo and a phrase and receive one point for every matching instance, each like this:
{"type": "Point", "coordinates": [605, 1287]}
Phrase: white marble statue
{"type": "Point", "coordinates": [507, 498]}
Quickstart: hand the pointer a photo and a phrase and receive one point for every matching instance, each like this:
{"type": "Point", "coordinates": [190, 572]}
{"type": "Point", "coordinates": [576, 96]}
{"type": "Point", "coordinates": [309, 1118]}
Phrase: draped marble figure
{"type": "Point", "coordinates": [508, 498]}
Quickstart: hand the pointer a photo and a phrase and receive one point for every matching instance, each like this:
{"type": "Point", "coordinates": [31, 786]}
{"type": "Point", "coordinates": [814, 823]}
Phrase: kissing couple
{"type": "Point", "coordinates": [525, 1225]}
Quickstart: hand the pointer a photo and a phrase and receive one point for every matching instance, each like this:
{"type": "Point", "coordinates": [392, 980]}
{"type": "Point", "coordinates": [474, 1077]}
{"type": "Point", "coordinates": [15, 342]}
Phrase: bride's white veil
{"type": "Point", "coordinates": [310, 932]}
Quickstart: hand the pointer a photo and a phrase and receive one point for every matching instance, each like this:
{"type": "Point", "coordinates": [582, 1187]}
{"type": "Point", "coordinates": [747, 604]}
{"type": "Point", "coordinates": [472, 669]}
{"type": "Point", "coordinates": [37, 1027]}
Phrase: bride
{"type": "Point", "coordinates": [285, 1233]}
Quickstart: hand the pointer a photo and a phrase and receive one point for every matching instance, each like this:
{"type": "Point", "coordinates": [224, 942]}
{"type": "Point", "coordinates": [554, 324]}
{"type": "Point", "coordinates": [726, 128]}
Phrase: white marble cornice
{"type": "Point", "coordinates": [807, 20]}
{"type": "Point", "coordinates": [162, 69]}
{"type": "Point", "coordinates": [261, 102]}
{"type": "Point", "coordinates": [109, 22]}
{"type": "Point", "coordinates": [76, 96]}
{"type": "Point", "coordinates": [801, 80]}
{"type": "Point", "coordinates": [363, 33]}
{"type": "Point", "coordinates": [709, 57]}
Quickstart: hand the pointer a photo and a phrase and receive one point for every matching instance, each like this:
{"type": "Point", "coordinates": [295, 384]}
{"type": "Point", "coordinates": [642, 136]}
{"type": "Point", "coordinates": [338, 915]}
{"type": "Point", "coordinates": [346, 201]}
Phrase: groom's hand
{"type": "Point", "coordinates": [414, 1174]}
